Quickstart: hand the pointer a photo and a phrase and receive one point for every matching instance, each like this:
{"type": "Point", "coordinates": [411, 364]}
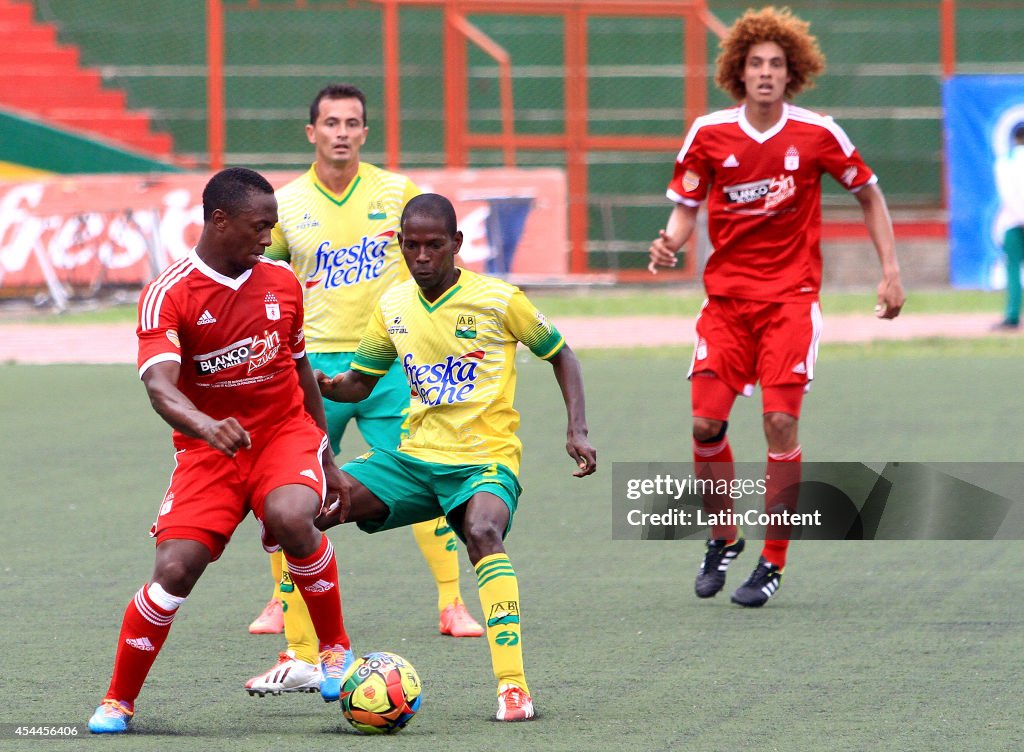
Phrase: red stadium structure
{"type": "Point", "coordinates": [575, 140]}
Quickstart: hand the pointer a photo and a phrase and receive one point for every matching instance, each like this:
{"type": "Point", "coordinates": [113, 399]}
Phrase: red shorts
{"type": "Point", "coordinates": [744, 342]}
{"type": "Point", "coordinates": [211, 493]}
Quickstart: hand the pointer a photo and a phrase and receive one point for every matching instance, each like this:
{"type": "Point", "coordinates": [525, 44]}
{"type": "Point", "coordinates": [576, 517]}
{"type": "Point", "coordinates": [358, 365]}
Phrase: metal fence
{"type": "Point", "coordinates": [886, 61]}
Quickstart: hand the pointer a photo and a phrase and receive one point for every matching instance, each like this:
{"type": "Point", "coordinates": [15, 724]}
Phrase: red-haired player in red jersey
{"type": "Point", "coordinates": [759, 167]}
{"type": "Point", "coordinates": [222, 356]}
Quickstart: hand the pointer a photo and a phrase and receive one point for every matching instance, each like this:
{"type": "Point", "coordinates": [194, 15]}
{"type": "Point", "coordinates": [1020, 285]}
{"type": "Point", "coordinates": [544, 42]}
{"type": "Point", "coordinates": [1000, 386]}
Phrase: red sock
{"type": "Point", "coordinates": [143, 631]}
{"type": "Point", "coordinates": [317, 578]}
{"type": "Point", "coordinates": [781, 478]}
{"type": "Point", "coordinates": [720, 453]}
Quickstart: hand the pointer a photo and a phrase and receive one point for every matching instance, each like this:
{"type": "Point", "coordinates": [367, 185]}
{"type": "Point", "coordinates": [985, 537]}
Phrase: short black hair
{"type": "Point", "coordinates": [432, 205]}
{"type": "Point", "coordinates": [232, 189]}
{"type": "Point", "coordinates": [337, 91]}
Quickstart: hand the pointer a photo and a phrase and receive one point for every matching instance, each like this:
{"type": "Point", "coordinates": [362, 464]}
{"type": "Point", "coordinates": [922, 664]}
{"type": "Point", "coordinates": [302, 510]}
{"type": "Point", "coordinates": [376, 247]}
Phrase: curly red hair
{"type": "Point", "coordinates": [804, 59]}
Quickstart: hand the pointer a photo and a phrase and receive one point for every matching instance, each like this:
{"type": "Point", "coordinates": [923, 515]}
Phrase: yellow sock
{"type": "Point", "coordinates": [276, 564]}
{"type": "Point", "coordinates": [499, 598]}
{"type": "Point", "coordinates": [438, 544]}
{"type": "Point", "coordinates": [298, 627]}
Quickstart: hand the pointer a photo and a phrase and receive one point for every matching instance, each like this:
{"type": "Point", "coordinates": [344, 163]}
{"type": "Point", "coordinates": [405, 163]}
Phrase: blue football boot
{"type": "Point", "coordinates": [111, 717]}
{"type": "Point", "coordinates": [334, 662]}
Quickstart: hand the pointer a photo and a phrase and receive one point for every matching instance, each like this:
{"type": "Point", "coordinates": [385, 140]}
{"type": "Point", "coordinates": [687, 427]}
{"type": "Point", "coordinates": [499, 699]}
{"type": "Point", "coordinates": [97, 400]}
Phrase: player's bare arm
{"type": "Point", "coordinates": [338, 504]}
{"type": "Point", "coordinates": [336, 489]}
{"type": "Point", "coordinates": [226, 435]}
{"type": "Point", "coordinates": [569, 376]}
{"type": "Point", "coordinates": [891, 296]}
{"type": "Point", "coordinates": [350, 386]}
{"type": "Point", "coordinates": [665, 248]}
{"type": "Point", "coordinates": [311, 399]}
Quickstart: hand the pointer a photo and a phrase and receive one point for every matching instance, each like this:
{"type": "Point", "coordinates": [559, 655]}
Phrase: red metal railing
{"type": "Point", "coordinates": [575, 140]}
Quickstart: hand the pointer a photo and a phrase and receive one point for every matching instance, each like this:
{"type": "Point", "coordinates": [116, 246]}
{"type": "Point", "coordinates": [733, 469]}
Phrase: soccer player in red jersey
{"type": "Point", "coordinates": [222, 356]}
{"type": "Point", "coordinates": [758, 166]}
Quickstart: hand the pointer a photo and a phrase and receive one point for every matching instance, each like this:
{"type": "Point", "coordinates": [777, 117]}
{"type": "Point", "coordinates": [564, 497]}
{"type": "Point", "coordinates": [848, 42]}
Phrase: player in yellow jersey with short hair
{"type": "Point", "coordinates": [337, 227]}
{"type": "Point", "coordinates": [455, 333]}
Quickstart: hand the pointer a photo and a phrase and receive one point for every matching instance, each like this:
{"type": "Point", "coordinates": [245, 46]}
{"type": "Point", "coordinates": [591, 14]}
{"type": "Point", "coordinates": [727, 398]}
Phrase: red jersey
{"type": "Point", "coordinates": [764, 198]}
{"type": "Point", "coordinates": [236, 339]}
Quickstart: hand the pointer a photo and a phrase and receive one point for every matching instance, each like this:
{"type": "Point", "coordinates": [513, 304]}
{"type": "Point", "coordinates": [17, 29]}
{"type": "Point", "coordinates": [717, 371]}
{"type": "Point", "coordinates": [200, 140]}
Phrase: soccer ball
{"type": "Point", "coordinates": [380, 693]}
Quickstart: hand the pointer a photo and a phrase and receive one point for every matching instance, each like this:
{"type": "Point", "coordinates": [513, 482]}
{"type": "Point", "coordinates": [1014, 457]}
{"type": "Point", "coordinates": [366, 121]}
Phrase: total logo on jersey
{"type": "Point", "coordinates": [255, 351]}
{"type": "Point", "coordinates": [445, 383]}
{"type": "Point", "coordinates": [350, 265]}
{"type": "Point", "coordinates": [773, 190]}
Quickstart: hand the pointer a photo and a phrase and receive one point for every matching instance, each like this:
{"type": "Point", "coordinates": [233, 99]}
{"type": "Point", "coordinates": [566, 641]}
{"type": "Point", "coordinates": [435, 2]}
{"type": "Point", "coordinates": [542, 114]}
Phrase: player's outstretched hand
{"type": "Point", "coordinates": [891, 298]}
{"type": "Point", "coordinates": [324, 382]}
{"type": "Point", "coordinates": [662, 253]}
{"type": "Point", "coordinates": [226, 436]}
{"type": "Point", "coordinates": [583, 454]}
{"type": "Point", "coordinates": [338, 502]}
{"type": "Point", "coordinates": [337, 489]}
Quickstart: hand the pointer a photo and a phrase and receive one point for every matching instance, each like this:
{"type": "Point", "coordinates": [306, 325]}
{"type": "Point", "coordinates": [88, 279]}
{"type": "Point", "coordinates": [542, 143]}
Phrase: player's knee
{"type": "Point", "coordinates": [292, 527]}
{"type": "Point", "coordinates": [780, 429]}
{"type": "Point", "coordinates": [709, 431]}
{"type": "Point", "coordinates": [177, 576]}
{"type": "Point", "coordinates": [483, 534]}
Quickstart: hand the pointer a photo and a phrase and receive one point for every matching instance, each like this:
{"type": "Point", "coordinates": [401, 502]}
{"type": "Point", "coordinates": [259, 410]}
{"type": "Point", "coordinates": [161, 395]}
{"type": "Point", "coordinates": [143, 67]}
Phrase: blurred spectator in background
{"type": "Point", "coordinates": [1010, 185]}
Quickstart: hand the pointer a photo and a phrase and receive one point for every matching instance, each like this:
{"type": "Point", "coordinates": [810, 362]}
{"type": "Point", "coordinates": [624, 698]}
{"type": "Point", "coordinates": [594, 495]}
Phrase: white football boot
{"type": "Point", "coordinates": [287, 675]}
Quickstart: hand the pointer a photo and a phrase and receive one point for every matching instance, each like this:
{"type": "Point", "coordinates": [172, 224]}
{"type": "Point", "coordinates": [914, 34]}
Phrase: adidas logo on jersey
{"type": "Point", "coordinates": [320, 586]}
{"type": "Point", "coordinates": [140, 643]}
{"type": "Point", "coordinates": [309, 474]}
{"type": "Point", "coordinates": [800, 368]}
{"type": "Point", "coordinates": [206, 318]}
{"type": "Point", "coordinates": [731, 161]}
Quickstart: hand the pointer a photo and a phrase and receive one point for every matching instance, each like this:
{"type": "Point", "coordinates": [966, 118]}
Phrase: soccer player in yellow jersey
{"type": "Point", "coordinates": [455, 333]}
{"type": "Point", "coordinates": [337, 227]}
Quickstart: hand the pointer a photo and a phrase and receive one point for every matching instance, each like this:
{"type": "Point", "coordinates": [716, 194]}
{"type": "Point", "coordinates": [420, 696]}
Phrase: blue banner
{"type": "Point", "coordinates": [980, 113]}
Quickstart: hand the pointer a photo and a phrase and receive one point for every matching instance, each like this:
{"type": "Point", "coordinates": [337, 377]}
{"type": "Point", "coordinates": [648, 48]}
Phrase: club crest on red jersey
{"type": "Point", "coordinates": [273, 307]}
{"type": "Point", "coordinates": [792, 159]}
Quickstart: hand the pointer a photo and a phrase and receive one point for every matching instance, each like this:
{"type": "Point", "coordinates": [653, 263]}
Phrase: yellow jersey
{"type": "Point", "coordinates": [343, 248]}
{"type": "Point", "coordinates": [458, 354]}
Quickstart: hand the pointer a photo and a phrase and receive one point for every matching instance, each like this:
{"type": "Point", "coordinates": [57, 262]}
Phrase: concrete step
{"type": "Point", "coordinates": [15, 13]}
{"type": "Point", "coordinates": [12, 33]}
{"type": "Point", "coordinates": [40, 59]}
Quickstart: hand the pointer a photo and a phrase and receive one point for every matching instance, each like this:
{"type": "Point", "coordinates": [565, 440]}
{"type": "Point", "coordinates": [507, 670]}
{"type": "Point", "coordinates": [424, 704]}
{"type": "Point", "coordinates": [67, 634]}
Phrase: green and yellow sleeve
{"type": "Point", "coordinates": [278, 248]}
{"type": "Point", "coordinates": [376, 351]}
{"type": "Point", "coordinates": [529, 326]}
